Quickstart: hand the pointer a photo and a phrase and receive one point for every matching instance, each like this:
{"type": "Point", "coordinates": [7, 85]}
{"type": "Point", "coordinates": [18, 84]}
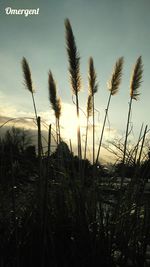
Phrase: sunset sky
{"type": "Point", "coordinates": [104, 29]}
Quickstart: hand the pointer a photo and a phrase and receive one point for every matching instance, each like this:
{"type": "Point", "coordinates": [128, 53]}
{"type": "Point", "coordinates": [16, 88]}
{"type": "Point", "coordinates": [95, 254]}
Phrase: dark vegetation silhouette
{"type": "Point", "coordinates": [58, 209]}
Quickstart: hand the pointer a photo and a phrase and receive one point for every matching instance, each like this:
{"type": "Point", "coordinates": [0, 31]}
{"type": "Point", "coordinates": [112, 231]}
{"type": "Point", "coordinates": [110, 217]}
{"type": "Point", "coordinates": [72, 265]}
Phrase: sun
{"type": "Point", "coordinates": [69, 122]}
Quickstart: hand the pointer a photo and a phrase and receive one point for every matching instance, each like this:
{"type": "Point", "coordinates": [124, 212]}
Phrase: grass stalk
{"type": "Point", "coordinates": [113, 87]}
{"type": "Point", "coordinates": [70, 143]}
{"type": "Point", "coordinates": [134, 85]}
{"type": "Point", "coordinates": [102, 133]}
{"type": "Point", "coordinates": [137, 146]}
{"type": "Point", "coordinates": [142, 145]}
{"type": "Point", "coordinates": [78, 128]}
{"type": "Point", "coordinates": [49, 141]}
{"type": "Point", "coordinates": [127, 131]}
{"type": "Point", "coordinates": [89, 113]}
{"type": "Point", "coordinates": [93, 87]}
{"type": "Point", "coordinates": [45, 201]}
{"type": "Point", "coordinates": [86, 137]}
{"type": "Point", "coordinates": [34, 105]}
{"type": "Point", "coordinates": [93, 131]}
{"type": "Point", "coordinates": [40, 184]}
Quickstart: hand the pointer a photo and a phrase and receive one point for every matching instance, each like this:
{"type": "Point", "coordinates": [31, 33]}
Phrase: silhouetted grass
{"type": "Point", "coordinates": [53, 210]}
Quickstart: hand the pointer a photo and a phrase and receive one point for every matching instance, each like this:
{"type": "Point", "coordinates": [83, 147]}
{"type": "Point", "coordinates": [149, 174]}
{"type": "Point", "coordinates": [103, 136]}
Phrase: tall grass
{"type": "Point", "coordinates": [137, 146]}
{"type": "Point", "coordinates": [75, 224]}
{"type": "Point", "coordinates": [93, 87]}
{"type": "Point", "coordinates": [29, 85]}
{"type": "Point", "coordinates": [75, 78]}
{"type": "Point", "coordinates": [88, 114]}
{"type": "Point", "coordinates": [28, 82]}
{"type": "Point", "coordinates": [142, 145]}
{"type": "Point", "coordinates": [113, 87]}
{"type": "Point", "coordinates": [55, 102]}
{"type": "Point", "coordinates": [134, 93]}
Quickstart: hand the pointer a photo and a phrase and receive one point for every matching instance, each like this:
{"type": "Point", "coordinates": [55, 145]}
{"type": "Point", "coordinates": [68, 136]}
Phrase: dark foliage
{"type": "Point", "coordinates": [86, 221]}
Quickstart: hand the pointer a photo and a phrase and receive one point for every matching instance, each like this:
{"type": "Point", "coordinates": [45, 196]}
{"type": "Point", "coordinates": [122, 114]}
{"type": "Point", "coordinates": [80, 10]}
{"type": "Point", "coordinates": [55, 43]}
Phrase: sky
{"type": "Point", "coordinates": [103, 29]}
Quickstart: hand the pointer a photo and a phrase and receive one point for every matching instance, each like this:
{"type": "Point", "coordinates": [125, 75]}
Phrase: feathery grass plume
{"type": "Point", "coordinates": [28, 82]}
{"type": "Point", "coordinates": [134, 86]}
{"type": "Point", "coordinates": [113, 86]}
{"type": "Point", "coordinates": [55, 102]}
{"type": "Point", "coordinates": [93, 87]}
{"type": "Point", "coordinates": [74, 70]}
{"type": "Point", "coordinates": [89, 106]}
{"type": "Point", "coordinates": [27, 75]}
{"type": "Point", "coordinates": [74, 59]}
{"type": "Point", "coordinates": [136, 79]}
